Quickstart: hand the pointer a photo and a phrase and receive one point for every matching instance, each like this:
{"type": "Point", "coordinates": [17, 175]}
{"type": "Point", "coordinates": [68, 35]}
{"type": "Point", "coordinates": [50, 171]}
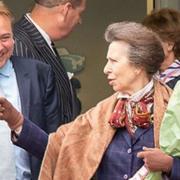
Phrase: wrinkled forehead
{"type": "Point", "coordinates": [117, 49]}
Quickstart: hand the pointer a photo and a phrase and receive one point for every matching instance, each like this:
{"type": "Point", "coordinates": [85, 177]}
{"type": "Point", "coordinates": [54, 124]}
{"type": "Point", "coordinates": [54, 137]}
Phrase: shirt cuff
{"type": "Point", "coordinates": [15, 134]}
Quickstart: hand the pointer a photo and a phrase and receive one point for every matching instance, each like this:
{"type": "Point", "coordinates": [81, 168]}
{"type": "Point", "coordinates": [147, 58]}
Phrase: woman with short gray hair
{"type": "Point", "coordinates": [120, 134]}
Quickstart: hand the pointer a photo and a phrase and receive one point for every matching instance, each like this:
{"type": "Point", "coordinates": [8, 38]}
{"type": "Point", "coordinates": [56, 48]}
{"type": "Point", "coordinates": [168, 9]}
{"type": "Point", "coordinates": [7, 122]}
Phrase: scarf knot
{"type": "Point", "coordinates": [131, 114]}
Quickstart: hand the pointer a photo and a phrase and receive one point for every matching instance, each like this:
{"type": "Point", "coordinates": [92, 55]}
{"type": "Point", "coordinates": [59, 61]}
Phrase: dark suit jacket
{"type": "Point", "coordinates": [38, 97]}
{"type": "Point", "coordinates": [30, 43]}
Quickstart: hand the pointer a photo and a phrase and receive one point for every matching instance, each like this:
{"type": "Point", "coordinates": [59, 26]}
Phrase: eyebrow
{"type": "Point", "coordinates": [112, 59]}
{"type": "Point", "coordinates": [6, 34]}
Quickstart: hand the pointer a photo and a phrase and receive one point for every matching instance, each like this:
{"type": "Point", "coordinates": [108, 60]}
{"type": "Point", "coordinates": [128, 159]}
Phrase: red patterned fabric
{"type": "Point", "coordinates": [131, 114]}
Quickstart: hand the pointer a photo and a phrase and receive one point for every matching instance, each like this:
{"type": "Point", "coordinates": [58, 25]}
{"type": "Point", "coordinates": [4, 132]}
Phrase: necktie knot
{"type": "Point", "coordinates": [54, 49]}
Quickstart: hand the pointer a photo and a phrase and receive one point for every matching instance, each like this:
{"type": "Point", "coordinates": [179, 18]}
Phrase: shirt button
{"type": "Point", "coordinates": [129, 150]}
{"type": "Point", "coordinates": [125, 176]}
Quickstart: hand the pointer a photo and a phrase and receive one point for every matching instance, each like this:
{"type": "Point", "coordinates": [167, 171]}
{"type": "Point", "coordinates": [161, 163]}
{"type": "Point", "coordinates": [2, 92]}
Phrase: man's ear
{"type": "Point", "coordinates": [65, 9]}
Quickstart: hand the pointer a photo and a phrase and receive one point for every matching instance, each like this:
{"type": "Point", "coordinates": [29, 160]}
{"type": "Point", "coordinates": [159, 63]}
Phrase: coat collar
{"type": "Point", "coordinates": [25, 28]}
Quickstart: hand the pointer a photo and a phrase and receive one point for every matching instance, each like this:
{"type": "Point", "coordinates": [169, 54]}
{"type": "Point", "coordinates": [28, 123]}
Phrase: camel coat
{"type": "Point", "coordinates": [75, 151]}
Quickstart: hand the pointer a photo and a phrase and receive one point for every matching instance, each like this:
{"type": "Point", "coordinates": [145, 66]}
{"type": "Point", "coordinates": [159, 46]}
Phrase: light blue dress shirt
{"type": "Point", "coordinates": [20, 170]}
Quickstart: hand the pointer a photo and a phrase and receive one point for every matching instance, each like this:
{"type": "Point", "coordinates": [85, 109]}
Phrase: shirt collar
{"type": "Point", "coordinates": [6, 70]}
{"type": "Point", "coordinates": [43, 33]}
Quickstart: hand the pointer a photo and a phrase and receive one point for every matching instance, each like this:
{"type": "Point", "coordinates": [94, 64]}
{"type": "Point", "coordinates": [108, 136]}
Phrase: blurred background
{"type": "Point", "coordinates": [87, 45]}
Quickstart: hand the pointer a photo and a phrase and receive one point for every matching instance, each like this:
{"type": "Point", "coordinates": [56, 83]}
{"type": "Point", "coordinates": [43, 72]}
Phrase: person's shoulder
{"type": "Point", "coordinates": [20, 22]}
{"type": "Point", "coordinates": [108, 99]}
{"type": "Point", "coordinates": [29, 62]}
{"type": "Point", "coordinates": [106, 105]}
{"type": "Point", "coordinates": [163, 90]}
{"type": "Point", "coordinates": [20, 28]}
{"type": "Point", "coordinates": [172, 83]}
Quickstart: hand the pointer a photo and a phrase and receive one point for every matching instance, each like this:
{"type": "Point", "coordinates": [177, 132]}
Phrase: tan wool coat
{"type": "Point", "coordinates": [75, 151]}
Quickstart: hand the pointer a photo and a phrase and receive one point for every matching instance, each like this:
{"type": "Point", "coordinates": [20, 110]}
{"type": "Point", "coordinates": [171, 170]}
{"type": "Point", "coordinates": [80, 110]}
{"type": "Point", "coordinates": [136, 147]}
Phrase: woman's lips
{"type": "Point", "coordinates": [110, 81]}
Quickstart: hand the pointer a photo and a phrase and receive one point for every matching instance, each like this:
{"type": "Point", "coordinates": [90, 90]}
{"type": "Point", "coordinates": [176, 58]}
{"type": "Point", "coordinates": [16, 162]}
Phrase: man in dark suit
{"type": "Point", "coordinates": [35, 34]}
{"type": "Point", "coordinates": [29, 86]}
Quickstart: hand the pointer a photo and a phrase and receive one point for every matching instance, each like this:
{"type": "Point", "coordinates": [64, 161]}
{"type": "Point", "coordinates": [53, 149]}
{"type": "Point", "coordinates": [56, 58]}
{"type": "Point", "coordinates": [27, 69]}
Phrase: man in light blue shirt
{"type": "Point", "coordinates": [9, 88]}
{"type": "Point", "coordinates": [29, 86]}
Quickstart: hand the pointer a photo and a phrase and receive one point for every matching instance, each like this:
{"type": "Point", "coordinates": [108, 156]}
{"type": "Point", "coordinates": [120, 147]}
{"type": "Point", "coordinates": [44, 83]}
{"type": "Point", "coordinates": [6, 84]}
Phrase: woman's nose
{"type": "Point", "coordinates": [106, 68]}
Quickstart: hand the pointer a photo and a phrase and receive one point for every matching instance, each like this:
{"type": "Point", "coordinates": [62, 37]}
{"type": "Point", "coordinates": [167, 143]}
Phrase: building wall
{"type": "Point", "coordinates": [175, 4]}
{"type": "Point", "coordinates": [88, 40]}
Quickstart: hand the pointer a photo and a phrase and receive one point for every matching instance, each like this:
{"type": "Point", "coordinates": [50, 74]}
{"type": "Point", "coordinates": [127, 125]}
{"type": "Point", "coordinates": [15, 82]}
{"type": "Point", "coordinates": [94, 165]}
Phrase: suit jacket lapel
{"type": "Point", "coordinates": [23, 82]}
{"type": "Point", "coordinates": [41, 45]}
{"type": "Point", "coordinates": [139, 132]}
{"type": "Point", "coordinates": [36, 37]}
{"type": "Point", "coordinates": [137, 135]}
{"type": "Point", "coordinates": [44, 53]}
{"type": "Point", "coordinates": [127, 139]}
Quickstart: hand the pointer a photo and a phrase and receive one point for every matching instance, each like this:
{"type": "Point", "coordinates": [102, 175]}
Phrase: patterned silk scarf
{"type": "Point", "coordinates": [134, 111]}
{"type": "Point", "coordinates": [170, 73]}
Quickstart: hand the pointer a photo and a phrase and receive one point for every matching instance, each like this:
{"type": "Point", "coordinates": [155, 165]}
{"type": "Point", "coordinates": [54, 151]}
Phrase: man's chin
{"type": "Point", "coordinates": [1, 65]}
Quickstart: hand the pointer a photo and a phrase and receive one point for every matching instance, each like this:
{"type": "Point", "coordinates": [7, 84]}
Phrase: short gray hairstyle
{"type": "Point", "coordinates": [145, 49]}
{"type": "Point", "coordinates": [53, 3]}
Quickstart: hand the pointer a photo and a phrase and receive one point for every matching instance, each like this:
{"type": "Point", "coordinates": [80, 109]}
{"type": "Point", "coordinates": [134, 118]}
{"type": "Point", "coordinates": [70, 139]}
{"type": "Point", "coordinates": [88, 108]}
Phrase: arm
{"type": "Point", "coordinates": [52, 112]}
{"type": "Point", "coordinates": [31, 137]}
{"type": "Point", "coordinates": [175, 173]}
{"type": "Point", "coordinates": [22, 50]}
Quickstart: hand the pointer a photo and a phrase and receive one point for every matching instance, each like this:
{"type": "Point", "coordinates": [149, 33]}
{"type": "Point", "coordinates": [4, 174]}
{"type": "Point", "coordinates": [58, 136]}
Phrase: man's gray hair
{"type": "Point", "coordinates": [53, 3]}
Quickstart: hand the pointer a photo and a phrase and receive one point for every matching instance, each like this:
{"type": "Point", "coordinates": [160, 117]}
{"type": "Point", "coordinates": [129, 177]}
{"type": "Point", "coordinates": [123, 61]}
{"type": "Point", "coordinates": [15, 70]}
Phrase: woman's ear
{"type": "Point", "coordinates": [137, 70]}
{"type": "Point", "coordinates": [170, 46]}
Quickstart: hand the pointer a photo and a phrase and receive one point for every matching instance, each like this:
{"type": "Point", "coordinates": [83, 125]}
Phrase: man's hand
{"type": "Point", "coordinates": [156, 160]}
{"type": "Point", "coordinates": [10, 114]}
